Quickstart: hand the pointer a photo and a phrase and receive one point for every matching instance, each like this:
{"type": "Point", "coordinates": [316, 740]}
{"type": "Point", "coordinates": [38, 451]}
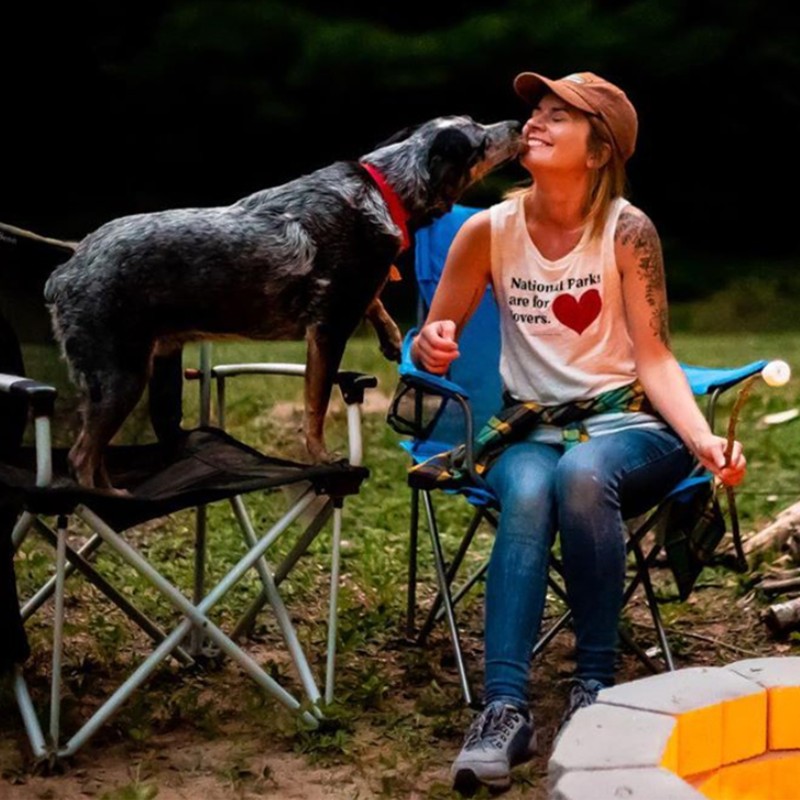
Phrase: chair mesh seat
{"type": "Point", "coordinates": [202, 466]}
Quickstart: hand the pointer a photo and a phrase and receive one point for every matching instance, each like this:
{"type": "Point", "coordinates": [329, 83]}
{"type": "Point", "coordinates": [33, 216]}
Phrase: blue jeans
{"type": "Point", "coordinates": [585, 493]}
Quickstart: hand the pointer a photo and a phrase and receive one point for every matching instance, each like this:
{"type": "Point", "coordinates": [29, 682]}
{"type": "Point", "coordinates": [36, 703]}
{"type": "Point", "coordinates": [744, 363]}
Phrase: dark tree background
{"type": "Point", "coordinates": [118, 107]}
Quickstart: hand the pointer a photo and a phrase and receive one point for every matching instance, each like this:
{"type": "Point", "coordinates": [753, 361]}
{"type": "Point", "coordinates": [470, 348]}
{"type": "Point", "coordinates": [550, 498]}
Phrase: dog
{"type": "Point", "coordinates": [306, 259]}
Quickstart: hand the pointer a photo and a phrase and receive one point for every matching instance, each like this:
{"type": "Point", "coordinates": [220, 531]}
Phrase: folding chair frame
{"type": "Point", "coordinates": [195, 623]}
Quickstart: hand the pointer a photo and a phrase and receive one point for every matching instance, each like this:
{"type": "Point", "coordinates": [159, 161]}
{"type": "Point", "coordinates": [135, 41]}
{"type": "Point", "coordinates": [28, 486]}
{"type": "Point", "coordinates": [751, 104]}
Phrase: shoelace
{"type": "Point", "coordinates": [493, 725]}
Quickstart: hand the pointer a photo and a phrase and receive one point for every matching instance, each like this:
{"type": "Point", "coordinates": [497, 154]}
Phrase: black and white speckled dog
{"type": "Point", "coordinates": [305, 259]}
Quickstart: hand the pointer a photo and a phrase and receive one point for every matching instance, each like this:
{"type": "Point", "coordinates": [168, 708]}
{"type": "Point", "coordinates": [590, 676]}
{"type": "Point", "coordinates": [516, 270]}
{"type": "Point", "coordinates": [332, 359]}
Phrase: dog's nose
{"type": "Point", "coordinates": [514, 125]}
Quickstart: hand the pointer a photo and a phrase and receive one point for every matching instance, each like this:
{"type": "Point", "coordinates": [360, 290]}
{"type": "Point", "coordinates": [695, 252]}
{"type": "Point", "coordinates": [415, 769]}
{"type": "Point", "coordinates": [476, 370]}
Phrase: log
{"type": "Point", "coordinates": [793, 546]}
{"type": "Point", "coordinates": [783, 617]}
{"type": "Point", "coordinates": [779, 585]}
{"type": "Point", "coordinates": [777, 533]}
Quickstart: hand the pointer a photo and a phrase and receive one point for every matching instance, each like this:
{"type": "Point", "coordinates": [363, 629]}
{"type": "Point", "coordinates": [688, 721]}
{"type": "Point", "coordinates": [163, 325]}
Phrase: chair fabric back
{"type": "Point", "coordinates": [478, 368]}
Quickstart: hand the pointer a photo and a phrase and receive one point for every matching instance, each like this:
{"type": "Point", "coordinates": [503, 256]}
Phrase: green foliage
{"type": "Point", "coordinates": [758, 303]}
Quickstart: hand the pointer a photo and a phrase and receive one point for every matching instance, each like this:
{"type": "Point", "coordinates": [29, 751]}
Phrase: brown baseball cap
{"type": "Point", "coordinates": [592, 94]}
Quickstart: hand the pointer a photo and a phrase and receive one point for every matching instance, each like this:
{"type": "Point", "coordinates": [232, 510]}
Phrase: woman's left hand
{"type": "Point", "coordinates": [710, 451]}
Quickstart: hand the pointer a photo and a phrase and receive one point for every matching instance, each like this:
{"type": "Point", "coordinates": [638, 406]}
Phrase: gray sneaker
{"type": "Point", "coordinates": [500, 737]}
{"type": "Point", "coordinates": [582, 693]}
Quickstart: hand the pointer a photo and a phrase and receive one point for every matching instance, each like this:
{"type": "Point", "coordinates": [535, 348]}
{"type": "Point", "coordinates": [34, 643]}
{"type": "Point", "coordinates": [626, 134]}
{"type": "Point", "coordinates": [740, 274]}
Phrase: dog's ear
{"type": "Point", "coordinates": [449, 160]}
{"type": "Point", "coordinates": [398, 137]}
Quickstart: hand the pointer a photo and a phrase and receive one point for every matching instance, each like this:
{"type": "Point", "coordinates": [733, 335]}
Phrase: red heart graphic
{"type": "Point", "coordinates": [578, 314]}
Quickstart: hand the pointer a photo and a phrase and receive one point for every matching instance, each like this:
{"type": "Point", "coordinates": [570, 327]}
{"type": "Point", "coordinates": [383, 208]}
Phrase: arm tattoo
{"type": "Point", "coordinates": [639, 232]}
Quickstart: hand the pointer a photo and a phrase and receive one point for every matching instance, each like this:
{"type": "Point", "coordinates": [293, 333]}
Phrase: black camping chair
{"type": "Point", "coordinates": [437, 414]}
{"type": "Point", "coordinates": [190, 468]}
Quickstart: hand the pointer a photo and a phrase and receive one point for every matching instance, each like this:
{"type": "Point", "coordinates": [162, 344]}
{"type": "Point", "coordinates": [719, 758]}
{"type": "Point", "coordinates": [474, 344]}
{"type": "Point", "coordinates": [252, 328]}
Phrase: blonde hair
{"type": "Point", "coordinates": [608, 181]}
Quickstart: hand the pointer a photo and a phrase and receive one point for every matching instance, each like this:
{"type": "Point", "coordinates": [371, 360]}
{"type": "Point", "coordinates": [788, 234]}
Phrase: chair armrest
{"type": "Point", "coordinates": [41, 399]}
{"type": "Point", "coordinates": [706, 380]}
{"type": "Point", "coordinates": [250, 368]}
{"type": "Point", "coordinates": [40, 396]}
{"type": "Point", "coordinates": [713, 381]}
{"type": "Point", "coordinates": [416, 378]}
{"type": "Point", "coordinates": [411, 374]}
{"type": "Point", "coordinates": [351, 383]}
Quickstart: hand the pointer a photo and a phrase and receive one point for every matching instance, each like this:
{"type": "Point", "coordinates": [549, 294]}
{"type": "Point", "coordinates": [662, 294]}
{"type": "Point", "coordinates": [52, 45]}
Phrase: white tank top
{"type": "Point", "coordinates": [563, 327]}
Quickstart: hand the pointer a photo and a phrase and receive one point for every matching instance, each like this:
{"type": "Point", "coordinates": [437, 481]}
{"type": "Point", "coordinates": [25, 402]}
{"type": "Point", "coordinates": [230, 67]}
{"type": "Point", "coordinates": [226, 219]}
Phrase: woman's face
{"type": "Point", "coordinates": [556, 136]}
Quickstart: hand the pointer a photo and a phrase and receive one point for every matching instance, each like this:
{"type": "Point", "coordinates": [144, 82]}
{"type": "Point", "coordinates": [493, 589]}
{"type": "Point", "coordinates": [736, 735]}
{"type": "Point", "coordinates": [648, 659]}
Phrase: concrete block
{"type": "Point", "coordinates": [769, 672]}
{"type": "Point", "coordinates": [781, 678]}
{"type": "Point", "coordinates": [602, 736]}
{"type": "Point", "coordinates": [722, 716]}
{"type": "Point", "coordinates": [652, 783]}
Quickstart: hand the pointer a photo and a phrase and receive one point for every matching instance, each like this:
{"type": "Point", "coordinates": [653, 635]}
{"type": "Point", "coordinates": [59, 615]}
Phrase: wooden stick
{"type": "Point", "coordinates": [718, 642]}
{"type": "Point", "coordinates": [744, 393]}
{"type": "Point", "coordinates": [730, 493]}
{"type": "Point", "coordinates": [4, 226]}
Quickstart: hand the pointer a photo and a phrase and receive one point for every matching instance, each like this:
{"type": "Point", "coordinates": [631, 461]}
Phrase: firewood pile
{"type": "Point", "coordinates": [780, 581]}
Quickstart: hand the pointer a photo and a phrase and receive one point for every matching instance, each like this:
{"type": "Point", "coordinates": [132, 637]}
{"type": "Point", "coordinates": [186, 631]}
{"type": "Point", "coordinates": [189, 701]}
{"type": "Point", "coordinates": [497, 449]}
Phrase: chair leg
{"type": "Point", "coordinates": [413, 544]}
{"type": "Point", "coordinates": [58, 634]}
{"type": "Point", "coordinates": [77, 561]}
{"type": "Point", "coordinates": [464, 588]}
{"type": "Point", "coordinates": [444, 588]}
{"type": "Point", "coordinates": [275, 600]}
{"type": "Point", "coordinates": [29, 717]}
{"type": "Point", "coordinates": [625, 637]}
{"type": "Point", "coordinates": [74, 557]}
{"type": "Point", "coordinates": [244, 627]}
{"type": "Point", "coordinates": [333, 601]}
{"type": "Point", "coordinates": [197, 640]}
{"type": "Point", "coordinates": [194, 615]}
{"type": "Point", "coordinates": [637, 650]}
{"type": "Point", "coordinates": [434, 614]}
{"type": "Point", "coordinates": [652, 602]}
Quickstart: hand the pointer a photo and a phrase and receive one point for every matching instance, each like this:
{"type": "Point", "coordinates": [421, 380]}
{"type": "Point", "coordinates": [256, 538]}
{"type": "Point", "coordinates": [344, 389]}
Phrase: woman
{"type": "Point", "coordinates": [578, 276]}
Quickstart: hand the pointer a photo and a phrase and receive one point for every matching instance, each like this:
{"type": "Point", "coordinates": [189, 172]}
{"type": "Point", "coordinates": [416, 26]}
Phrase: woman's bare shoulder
{"type": "Point", "coordinates": [634, 226]}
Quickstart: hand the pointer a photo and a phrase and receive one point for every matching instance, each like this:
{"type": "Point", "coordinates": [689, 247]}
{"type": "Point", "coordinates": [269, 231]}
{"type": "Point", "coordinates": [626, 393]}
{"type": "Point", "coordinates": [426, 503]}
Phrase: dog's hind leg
{"type": "Point", "coordinates": [324, 354]}
{"type": "Point", "coordinates": [112, 395]}
{"type": "Point", "coordinates": [165, 391]}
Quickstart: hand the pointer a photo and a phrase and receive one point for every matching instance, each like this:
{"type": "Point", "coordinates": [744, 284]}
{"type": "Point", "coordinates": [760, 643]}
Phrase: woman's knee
{"type": "Point", "coordinates": [583, 480]}
{"type": "Point", "coordinates": [523, 484]}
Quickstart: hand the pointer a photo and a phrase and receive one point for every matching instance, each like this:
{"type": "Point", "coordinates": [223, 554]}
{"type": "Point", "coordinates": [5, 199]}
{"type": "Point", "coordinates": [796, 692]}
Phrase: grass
{"type": "Point", "coordinates": [398, 717]}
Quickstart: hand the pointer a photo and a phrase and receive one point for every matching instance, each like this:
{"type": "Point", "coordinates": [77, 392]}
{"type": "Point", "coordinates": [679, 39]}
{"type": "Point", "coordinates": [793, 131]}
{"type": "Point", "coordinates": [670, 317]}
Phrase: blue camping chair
{"type": "Point", "coordinates": [437, 413]}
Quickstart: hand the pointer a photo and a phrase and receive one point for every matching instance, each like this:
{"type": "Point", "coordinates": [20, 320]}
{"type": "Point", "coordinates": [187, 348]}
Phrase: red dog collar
{"type": "Point", "coordinates": [395, 205]}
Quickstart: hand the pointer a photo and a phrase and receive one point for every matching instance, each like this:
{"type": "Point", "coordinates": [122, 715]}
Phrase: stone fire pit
{"type": "Point", "coordinates": [713, 733]}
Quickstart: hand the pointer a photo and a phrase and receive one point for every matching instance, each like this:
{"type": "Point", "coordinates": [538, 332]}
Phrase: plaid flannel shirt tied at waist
{"type": "Point", "coordinates": [447, 470]}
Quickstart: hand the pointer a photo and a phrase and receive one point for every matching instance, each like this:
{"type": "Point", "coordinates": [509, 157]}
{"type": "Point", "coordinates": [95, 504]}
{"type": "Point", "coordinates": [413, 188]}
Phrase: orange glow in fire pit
{"type": "Point", "coordinates": [772, 774]}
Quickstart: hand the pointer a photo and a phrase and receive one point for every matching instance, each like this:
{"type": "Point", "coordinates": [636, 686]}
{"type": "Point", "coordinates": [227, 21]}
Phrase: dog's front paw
{"type": "Point", "coordinates": [392, 350]}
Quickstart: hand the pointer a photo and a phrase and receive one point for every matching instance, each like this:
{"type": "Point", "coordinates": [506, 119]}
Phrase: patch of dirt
{"type": "Point", "coordinates": [181, 767]}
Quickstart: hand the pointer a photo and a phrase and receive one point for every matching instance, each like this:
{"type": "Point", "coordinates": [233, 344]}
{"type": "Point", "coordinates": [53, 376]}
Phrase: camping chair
{"type": "Point", "coordinates": [439, 413]}
{"type": "Point", "coordinates": [191, 469]}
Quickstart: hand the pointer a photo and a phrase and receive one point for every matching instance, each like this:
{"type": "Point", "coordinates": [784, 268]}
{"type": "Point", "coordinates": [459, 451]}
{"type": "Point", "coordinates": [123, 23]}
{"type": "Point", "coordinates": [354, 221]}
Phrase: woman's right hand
{"type": "Point", "coordinates": [434, 347]}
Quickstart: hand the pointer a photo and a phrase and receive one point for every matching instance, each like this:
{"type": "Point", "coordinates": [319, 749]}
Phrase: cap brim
{"type": "Point", "coordinates": [530, 86]}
